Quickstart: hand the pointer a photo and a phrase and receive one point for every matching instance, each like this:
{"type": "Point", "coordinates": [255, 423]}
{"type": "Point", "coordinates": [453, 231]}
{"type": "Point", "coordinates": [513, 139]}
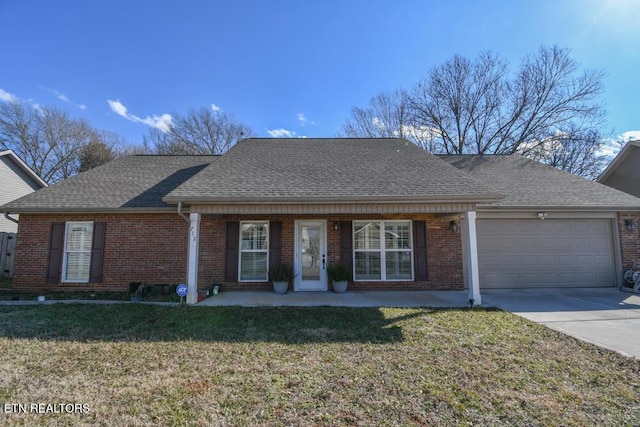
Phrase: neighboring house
{"type": "Point", "coordinates": [623, 172]}
{"type": "Point", "coordinates": [400, 217]}
{"type": "Point", "coordinates": [16, 180]}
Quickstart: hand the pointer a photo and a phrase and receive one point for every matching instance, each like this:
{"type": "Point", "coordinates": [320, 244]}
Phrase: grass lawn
{"type": "Point", "coordinates": [163, 365]}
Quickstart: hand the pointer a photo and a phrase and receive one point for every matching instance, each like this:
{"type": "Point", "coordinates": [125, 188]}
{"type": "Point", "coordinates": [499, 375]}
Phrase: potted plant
{"type": "Point", "coordinates": [340, 275]}
{"type": "Point", "coordinates": [280, 274]}
{"type": "Point", "coordinates": [139, 294]}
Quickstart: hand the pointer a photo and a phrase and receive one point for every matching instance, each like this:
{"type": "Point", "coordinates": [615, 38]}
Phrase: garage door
{"type": "Point", "coordinates": [545, 253]}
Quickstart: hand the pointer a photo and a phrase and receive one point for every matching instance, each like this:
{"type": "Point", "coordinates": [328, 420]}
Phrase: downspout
{"type": "Point", "coordinates": [6, 215]}
{"type": "Point", "coordinates": [186, 218]}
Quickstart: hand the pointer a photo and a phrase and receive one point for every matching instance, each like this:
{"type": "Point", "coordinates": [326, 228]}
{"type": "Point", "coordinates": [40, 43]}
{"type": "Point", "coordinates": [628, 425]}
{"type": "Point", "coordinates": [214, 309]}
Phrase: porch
{"type": "Point", "coordinates": [405, 299]}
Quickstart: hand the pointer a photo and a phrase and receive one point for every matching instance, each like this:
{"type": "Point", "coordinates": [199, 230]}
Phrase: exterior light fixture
{"type": "Point", "coordinates": [336, 225]}
{"type": "Point", "coordinates": [453, 225]}
{"type": "Point", "coordinates": [631, 226]}
{"type": "Point", "coordinates": [542, 215]}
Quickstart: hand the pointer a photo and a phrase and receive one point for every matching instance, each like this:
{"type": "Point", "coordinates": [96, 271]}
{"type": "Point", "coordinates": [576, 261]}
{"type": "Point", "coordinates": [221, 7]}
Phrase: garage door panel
{"type": "Point", "coordinates": [550, 253]}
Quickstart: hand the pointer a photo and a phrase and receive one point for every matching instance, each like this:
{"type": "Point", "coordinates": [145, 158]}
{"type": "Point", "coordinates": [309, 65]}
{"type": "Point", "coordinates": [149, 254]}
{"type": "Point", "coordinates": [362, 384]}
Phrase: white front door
{"type": "Point", "coordinates": [311, 256]}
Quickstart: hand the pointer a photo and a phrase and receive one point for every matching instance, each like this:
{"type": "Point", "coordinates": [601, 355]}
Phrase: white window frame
{"type": "Point", "coordinates": [382, 250]}
{"type": "Point", "coordinates": [66, 252]}
{"type": "Point", "coordinates": [241, 251]}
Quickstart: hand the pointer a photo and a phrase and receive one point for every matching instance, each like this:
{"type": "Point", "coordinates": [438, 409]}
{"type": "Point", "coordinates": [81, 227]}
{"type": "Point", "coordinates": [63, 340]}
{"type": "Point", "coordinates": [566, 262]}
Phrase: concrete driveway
{"type": "Point", "coordinates": [602, 316]}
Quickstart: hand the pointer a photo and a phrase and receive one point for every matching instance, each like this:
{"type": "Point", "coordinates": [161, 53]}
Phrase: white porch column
{"type": "Point", "coordinates": [472, 257]}
{"type": "Point", "coordinates": [193, 254]}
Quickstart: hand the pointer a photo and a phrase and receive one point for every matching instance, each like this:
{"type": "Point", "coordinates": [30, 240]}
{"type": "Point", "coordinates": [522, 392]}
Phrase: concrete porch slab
{"type": "Point", "coordinates": [436, 299]}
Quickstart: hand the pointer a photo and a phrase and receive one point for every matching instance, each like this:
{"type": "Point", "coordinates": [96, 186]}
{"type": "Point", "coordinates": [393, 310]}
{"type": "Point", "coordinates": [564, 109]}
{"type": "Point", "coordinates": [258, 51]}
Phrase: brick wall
{"type": "Point", "coordinates": [629, 240]}
{"type": "Point", "coordinates": [138, 248]}
{"type": "Point", "coordinates": [152, 248]}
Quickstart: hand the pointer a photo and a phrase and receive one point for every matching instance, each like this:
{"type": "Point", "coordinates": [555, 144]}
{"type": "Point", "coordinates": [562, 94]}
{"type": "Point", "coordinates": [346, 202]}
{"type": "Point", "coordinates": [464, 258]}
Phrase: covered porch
{"type": "Point", "coordinates": [448, 242]}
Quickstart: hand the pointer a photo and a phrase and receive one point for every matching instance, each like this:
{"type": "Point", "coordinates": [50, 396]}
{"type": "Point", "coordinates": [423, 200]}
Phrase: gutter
{"type": "Point", "coordinates": [487, 198]}
{"type": "Point", "coordinates": [181, 214]}
{"type": "Point", "coordinates": [6, 215]}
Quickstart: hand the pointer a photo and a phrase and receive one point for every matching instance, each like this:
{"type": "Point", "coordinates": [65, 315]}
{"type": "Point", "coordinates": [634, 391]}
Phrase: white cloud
{"type": "Point", "coordinates": [631, 135]}
{"type": "Point", "coordinates": [215, 108]}
{"type": "Point", "coordinates": [303, 120]}
{"type": "Point", "coordinates": [162, 122]}
{"type": "Point", "coordinates": [282, 133]}
{"type": "Point", "coordinates": [62, 97]}
{"type": "Point", "coordinates": [6, 96]}
{"type": "Point", "coordinates": [612, 147]}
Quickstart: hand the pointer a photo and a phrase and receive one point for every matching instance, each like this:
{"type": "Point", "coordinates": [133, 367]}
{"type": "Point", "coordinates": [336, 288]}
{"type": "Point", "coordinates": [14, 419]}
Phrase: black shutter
{"type": "Point", "coordinates": [97, 252]}
{"type": "Point", "coordinates": [275, 242]}
{"type": "Point", "coordinates": [346, 243]}
{"type": "Point", "coordinates": [56, 243]}
{"type": "Point", "coordinates": [232, 250]}
{"type": "Point", "coordinates": [420, 251]}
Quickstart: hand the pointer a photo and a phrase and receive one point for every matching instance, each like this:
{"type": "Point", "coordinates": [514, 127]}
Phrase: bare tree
{"type": "Point", "coordinates": [201, 131]}
{"type": "Point", "coordinates": [388, 116]}
{"type": "Point", "coordinates": [578, 152]}
{"type": "Point", "coordinates": [477, 107]}
{"type": "Point", "coordinates": [385, 117]}
{"type": "Point", "coordinates": [461, 101]}
{"type": "Point", "coordinates": [548, 109]}
{"type": "Point", "coordinates": [46, 138]}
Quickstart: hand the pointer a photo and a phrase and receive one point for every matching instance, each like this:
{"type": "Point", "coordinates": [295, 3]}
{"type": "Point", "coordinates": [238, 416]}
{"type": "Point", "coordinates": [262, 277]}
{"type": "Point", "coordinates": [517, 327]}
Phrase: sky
{"type": "Point", "coordinates": [290, 68]}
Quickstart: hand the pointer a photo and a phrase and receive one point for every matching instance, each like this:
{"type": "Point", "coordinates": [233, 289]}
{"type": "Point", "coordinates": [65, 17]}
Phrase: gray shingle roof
{"type": "Point", "coordinates": [134, 182]}
{"type": "Point", "coordinates": [530, 184]}
{"type": "Point", "coordinates": [329, 170]}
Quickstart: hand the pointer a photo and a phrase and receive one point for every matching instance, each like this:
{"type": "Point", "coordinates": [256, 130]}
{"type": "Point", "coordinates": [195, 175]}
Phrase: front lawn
{"type": "Point", "coordinates": [157, 365]}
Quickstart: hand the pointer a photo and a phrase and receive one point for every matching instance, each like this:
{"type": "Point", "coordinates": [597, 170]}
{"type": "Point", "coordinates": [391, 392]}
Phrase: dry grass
{"type": "Point", "coordinates": [156, 365]}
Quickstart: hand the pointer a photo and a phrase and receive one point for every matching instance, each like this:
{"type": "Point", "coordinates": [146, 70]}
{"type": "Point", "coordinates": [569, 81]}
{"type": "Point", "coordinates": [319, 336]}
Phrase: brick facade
{"type": "Point", "coordinates": [629, 240]}
{"type": "Point", "coordinates": [152, 248]}
{"type": "Point", "coordinates": [138, 248]}
{"type": "Point", "coordinates": [444, 250]}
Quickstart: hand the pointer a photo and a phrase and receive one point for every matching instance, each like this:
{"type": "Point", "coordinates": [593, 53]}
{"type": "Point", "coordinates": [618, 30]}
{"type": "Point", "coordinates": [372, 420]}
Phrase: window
{"type": "Point", "coordinates": [383, 257]}
{"type": "Point", "coordinates": [77, 252]}
{"type": "Point", "coordinates": [254, 251]}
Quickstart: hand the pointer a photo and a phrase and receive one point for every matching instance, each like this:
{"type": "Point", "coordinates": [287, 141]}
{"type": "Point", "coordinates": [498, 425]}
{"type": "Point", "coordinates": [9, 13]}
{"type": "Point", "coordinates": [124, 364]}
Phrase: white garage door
{"type": "Point", "coordinates": [545, 253]}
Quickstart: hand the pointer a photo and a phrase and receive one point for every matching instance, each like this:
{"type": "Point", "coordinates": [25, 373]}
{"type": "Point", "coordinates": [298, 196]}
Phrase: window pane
{"type": "Point", "coordinates": [367, 235]}
{"type": "Point", "coordinates": [367, 266]}
{"type": "Point", "coordinates": [310, 252]}
{"type": "Point", "coordinates": [78, 264]}
{"type": "Point", "coordinates": [398, 265]}
{"type": "Point", "coordinates": [397, 235]}
{"type": "Point", "coordinates": [79, 236]}
{"type": "Point", "coordinates": [253, 266]}
{"type": "Point", "coordinates": [254, 236]}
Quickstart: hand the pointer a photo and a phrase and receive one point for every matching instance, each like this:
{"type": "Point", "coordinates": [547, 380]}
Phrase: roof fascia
{"type": "Point", "coordinates": [485, 198]}
{"type": "Point", "coordinates": [22, 165]}
{"type": "Point", "coordinates": [18, 211]}
{"type": "Point", "coordinates": [620, 157]}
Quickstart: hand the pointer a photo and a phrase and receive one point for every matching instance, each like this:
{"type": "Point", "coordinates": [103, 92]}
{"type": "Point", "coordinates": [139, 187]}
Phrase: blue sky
{"type": "Point", "coordinates": [288, 67]}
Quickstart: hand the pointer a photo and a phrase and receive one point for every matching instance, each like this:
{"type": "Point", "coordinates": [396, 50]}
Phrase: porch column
{"type": "Point", "coordinates": [472, 257]}
{"type": "Point", "coordinates": [193, 254]}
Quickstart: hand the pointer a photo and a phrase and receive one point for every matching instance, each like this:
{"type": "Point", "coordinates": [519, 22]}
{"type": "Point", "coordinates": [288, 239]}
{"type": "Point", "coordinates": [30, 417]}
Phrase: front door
{"type": "Point", "coordinates": [311, 256]}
